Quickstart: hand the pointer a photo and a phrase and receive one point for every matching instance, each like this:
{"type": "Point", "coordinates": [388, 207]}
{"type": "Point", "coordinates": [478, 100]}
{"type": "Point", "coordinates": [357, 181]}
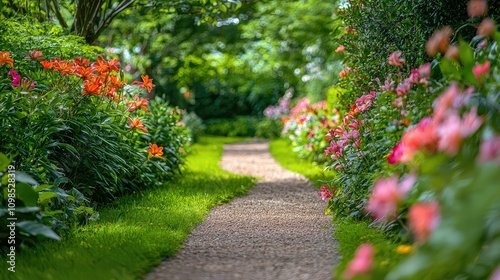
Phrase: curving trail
{"type": "Point", "coordinates": [277, 231]}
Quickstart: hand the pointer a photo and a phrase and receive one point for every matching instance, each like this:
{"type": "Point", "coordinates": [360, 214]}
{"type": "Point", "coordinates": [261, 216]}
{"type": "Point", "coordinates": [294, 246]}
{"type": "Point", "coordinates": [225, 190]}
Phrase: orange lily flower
{"type": "Point", "coordinates": [5, 59]}
{"type": "Point", "coordinates": [80, 61]}
{"type": "Point", "coordinates": [92, 85]}
{"type": "Point", "coordinates": [146, 83]}
{"type": "Point", "coordinates": [103, 66]}
{"type": "Point", "coordinates": [47, 64]}
{"type": "Point", "coordinates": [155, 151]}
{"type": "Point", "coordinates": [138, 103]}
{"type": "Point", "coordinates": [136, 123]}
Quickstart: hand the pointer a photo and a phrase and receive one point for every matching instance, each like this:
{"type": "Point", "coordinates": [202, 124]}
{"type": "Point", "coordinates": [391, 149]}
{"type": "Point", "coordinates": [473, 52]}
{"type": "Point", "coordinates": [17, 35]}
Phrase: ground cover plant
{"type": "Point", "coordinates": [149, 225]}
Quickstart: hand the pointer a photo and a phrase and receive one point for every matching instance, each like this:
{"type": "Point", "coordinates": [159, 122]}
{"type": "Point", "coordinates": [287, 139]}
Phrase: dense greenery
{"type": "Point", "coordinates": [149, 225]}
{"type": "Point", "coordinates": [72, 124]}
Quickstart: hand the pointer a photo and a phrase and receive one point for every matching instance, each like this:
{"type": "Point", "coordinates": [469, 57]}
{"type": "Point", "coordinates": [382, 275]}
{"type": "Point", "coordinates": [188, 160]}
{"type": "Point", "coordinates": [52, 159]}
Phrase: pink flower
{"type": "Point", "coordinates": [396, 154]}
{"type": "Point", "coordinates": [414, 76]}
{"type": "Point", "coordinates": [388, 86]}
{"type": "Point", "coordinates": [471, 122]}
{"type": "Point", "coordinates": [386, 195]}
{"type": "Point", "coordinates": [403, 87]}
{"type": "Point", "coordinates": [301, 106]}
{"type": "Point", "coordinates": [362, 262]}
{"type": "Point", "coordinates": [325, 193]}
{"type": "Point", "coordinates": [450, 135]}
{"type": "Point", "coordinates": [481, 69]}
{"type": "Point", "coordinates": [496, 274]}
{"type": "Point", "coordinates": [424, 137]}
{"type": "Point", "coordinates": [395, 59]}
{"type": "Point", "coordinates": [423, 219]}
{"type": "Point", "coordinates": [490, 150]}
{"type": "Point", "coordinates": [454, 129]}
{"type": "Point", "coordinates": [425, 71]}
{"type": "Point", "coordinates": [339, 49]}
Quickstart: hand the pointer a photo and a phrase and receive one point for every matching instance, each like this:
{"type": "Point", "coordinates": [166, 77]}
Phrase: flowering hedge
{"type": "Point", "coordinates": [418, 152]}
{"type": "Point", "coordinates": [83, 134]}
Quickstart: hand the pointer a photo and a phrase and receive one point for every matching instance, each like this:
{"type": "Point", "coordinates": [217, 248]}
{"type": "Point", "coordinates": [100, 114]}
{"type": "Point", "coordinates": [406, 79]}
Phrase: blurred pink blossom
{"type": "Point", "coordinates": [496, 274]}
{"type": "Point", "coordinates": [385, 196]}
{"type": "Point", "coordinates": [403, 87]}
{"type": "Point", "coordinates": [423, 219]}
{"type": "Point", "coordinates": [490, 150]}
{"type": "Point", "coordinates": [425, 71]}
{"type": "Point", "coordinates": [325, 193]}
{"type": "Point", "coordinates": [395, 59]}
{"type": "Point", "coordinates": [388, 86]}
{"type": "Point", "coordinates": [362, 262]}
{"type": "Point", "coordinates": [481, 69]}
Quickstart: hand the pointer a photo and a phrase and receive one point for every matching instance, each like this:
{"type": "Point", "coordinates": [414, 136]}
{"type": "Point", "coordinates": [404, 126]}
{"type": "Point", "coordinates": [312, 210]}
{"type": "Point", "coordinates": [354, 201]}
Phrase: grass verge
{"type": "Point", "coordinates": [281, 150]}
{"type": "Point", "coordinates": [349, 234]}
{"type": "Point", "coordinates": [137, 231]}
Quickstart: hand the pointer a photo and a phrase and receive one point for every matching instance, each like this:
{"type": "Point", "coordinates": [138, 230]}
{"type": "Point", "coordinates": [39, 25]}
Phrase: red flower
{"type": "Point", "coordinates": [146, 83]}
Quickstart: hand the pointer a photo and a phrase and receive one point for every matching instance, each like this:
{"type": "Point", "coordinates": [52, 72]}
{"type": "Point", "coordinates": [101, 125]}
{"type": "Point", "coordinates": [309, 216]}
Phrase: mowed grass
{"type": "Point", "coordinates": [281, 150]}
{"type": "Point", "coordinates": [138, 231]}
{"type": "Point", "coordinates": [348, 233]}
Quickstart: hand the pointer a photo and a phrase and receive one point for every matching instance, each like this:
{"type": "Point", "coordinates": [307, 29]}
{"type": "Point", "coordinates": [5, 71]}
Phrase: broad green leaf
{"type": "Point", "coordinates": [45, 196]}
{"type": "Point", "coordinates": [36, 229]}
{"type": "Point", "coordinates": [27, 194]}
{"type": "Point", "coordinates": [4, 162]}
{"type": "Point", "coordinates": [466, 54]}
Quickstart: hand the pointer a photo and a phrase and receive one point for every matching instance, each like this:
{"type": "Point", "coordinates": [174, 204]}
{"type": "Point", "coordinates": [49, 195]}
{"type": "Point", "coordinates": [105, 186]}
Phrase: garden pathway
{"type": "Point", "coordinates": [277, 231]}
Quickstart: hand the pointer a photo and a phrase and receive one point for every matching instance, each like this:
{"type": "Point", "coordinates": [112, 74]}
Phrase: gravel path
{"type": "Point", "coordinates": [277, 231]}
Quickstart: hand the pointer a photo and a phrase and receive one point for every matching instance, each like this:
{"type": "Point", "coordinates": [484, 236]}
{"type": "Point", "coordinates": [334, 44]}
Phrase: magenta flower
{"type": "Point", "coordinates": [396, 154]}
{"type": "Point", "coordinates": [423, 219]}
{"type": "Point", "coordinates": [395, 59]}
{"type": "Point", "coordinates": [362, 263]}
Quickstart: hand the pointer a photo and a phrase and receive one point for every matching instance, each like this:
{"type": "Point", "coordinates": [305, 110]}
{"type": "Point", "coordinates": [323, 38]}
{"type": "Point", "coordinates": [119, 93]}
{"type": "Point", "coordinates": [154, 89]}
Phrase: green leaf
{"type": "Point", "coordinates": [46, 196]}
{"type": "Point", "coordinates": [4, 162]}
{"type": "Point", "coordinates": [36, 229]}
{"type": "Point", "coordinates": [43, 187]}
{"type": "Point", "coordinates": [25, 178]}
{"type": "Point", "coordinates": [27, 194]}
{"type": "Point", "coordinates": [466, 54]}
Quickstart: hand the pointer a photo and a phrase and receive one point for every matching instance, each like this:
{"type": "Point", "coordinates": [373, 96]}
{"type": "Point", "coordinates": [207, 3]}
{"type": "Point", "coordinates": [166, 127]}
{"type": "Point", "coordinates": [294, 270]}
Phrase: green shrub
{"type": "Point", "coordinates": [195, 125]}
{"type": "Point", "coordinates": [73, 126]}
{"type": "Point", "coordinates": [239, 126]}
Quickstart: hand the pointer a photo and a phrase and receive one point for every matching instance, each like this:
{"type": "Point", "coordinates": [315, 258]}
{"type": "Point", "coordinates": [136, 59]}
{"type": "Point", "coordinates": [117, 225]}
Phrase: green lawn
{"type": "Point", "coordinates": [137, 231]}
{"type": "Point", "coordinates": [349, 234]}
{"type": "Point", "coordinates": [281, 150]}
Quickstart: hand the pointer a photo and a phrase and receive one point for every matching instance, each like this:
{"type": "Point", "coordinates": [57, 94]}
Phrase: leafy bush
{"type": "Point", "coordinates": [195, 125]}
{"type": "Point", "coordinates": [239, 126]}
{"type": "Point", "coordinates": [307, 126]}
{"type": "Point", "coordinates": [74, 126]}
{"type": "Point", "coordinates": [437, 190]}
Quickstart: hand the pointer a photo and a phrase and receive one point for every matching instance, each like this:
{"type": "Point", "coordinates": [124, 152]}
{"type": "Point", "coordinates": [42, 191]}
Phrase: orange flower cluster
{"type": "Point", "coordinates": [99, 78]}
{"type": "Point", "coordinates": [5, 59]}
